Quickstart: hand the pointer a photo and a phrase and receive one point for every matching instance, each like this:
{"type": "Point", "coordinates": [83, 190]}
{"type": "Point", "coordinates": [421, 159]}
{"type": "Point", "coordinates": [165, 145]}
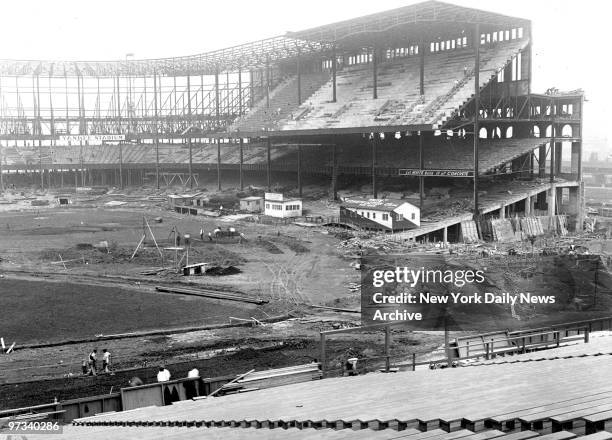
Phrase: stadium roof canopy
{"type": "Point", "coordinates": [407, 23]}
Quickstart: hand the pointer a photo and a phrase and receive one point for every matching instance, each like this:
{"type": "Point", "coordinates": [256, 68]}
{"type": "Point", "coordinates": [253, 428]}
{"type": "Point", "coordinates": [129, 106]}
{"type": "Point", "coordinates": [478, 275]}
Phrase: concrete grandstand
{"type": "Point", "coordinates": [431, 98]}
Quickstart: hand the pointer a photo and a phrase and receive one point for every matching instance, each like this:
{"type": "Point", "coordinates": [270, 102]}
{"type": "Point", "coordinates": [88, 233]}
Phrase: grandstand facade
{"type": "Point", "coordinates": [423, 96]}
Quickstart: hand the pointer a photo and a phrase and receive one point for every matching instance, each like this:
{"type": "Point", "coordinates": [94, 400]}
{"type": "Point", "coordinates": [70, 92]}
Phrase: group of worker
{"type": "Point", "coordinates": [90, 365]}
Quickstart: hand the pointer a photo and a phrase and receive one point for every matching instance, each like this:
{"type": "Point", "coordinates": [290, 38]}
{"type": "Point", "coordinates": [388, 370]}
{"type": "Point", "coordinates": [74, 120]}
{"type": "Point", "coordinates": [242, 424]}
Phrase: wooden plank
{"type": "Point", "coordinates": [562, 435]}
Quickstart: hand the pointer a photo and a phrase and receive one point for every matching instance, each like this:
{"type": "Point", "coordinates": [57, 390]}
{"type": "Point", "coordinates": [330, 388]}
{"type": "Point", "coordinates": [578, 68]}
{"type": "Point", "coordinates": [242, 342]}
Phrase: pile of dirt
{"type": "Point", "coordinates": [292, 243]}
{"type": "Point", "coordinates": [268, 245]}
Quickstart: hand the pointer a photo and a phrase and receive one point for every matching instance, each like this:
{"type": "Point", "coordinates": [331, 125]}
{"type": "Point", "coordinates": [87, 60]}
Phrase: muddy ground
{"type": "Point", "coordinates": [59, 285]}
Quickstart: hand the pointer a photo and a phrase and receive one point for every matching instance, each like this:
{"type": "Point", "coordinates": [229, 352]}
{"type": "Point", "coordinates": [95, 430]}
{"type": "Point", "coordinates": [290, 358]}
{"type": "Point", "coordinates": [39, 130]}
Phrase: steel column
{"type": "Point", "coordinates": [299, 80]}
{"type": "Point", "coordinates": [268, 82]}
{"type": "Point", "coordinates": [374, 189]}
{"type": "Point", "coordinates": [422, 67]}
{"type": "Point", "coordinates": [269, 163]}
{"type": "Point", "coordinates": [421, 166]}
{"type": "Point", "coordinates": [476, 41]}
{"type": "Point", "coordinates": [334, 70]}
{"type": "Point", "coordinates": [552, 142]}
{"type": "Point", "coordinates": [189, 129]}
{"type": "Point", "coordinates": [241, 177]}
{"type": "Point", "coordinates": [299, 169]}
{"type": "Point", "coordinates": [155, 131]}
{"type": "Point", "coordinates": [375, 73]}
{"type": "Point", "coordinates": [219, 164]}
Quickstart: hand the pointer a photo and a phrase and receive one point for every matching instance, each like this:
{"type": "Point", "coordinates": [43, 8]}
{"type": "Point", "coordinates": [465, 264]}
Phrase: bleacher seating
{"type": "Point", "coordinates": [283, 102]}
{"type": "Point", "coordinates": [448, 85]}
{"type": "Point", "coordinates": [461, 397]}
{"type": "Point", "coordinates": [180, 433]}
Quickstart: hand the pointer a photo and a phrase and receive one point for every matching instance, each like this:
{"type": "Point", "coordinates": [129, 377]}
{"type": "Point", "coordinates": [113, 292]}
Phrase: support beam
{"type": "Point", "coordinates": [421, 167]}
{"type": "Point", "coordinates": [476, 41]}
{"type": "Point", "coordinates": [552, 150]}
{"type": "Point", "coordinates": [189, 128]}
{"type": "Point", "coordinates": [240, 171]}
{"type": "Point", "coordinates": [268, 82]}
{"type": "Point", "coordinates": [299, 79]}
{"type": "Point", "coordinates": [219, 164]}
{"type": "Point", "coordinates": [334, 178]}
{"type": "Point", "coordinates": [240, 105]}
{"type": "Point", "coordinates": [374, 188]}
{"type": "Point", "coordinates": [374, 72]}
{"type": "Point", "coordinates": [120, 164]}
{"type": "Point", "coordinates": [542, 162]}
{"type": "Point", "coordinates": [422, 67]}
{"type": "Point", "coordinates": [551, 198]}
{"type": "Point", "coordinates": [217, 112]}
{"type": "Point", "coordinates": [269, 162]}
{"type": "Point", "coordinates": [299, 170]}
{"type": "Point", "coordinates": [156, 129]}
{"type": "Point", "coordinates": [334, 70]}
{"type": "Point", "coordinates": [528, 206]}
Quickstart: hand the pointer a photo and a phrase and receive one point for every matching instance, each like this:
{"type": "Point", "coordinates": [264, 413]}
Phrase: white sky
{"type": "Point", "coordinates": [571, 47]}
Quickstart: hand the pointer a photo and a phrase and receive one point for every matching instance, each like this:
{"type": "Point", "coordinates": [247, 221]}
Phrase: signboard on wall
{"type": "Point", "coordinates": [92, 138]}
{"type": "Point", "coordinates": [435, 173]}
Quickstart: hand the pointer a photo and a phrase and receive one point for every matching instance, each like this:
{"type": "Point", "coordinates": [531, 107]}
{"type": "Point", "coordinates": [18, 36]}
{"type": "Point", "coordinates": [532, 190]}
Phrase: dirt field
{"type": "Point", "coordinates": [57, 285]}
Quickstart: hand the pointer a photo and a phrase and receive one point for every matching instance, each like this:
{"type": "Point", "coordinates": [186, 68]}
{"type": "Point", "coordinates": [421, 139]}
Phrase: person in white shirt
{"type": "Point", "coordinates": [193, 373]}
{"type": "Point", "coordinates": [163, 375]}
{"type": "Point", "coordinates": [106, 357]}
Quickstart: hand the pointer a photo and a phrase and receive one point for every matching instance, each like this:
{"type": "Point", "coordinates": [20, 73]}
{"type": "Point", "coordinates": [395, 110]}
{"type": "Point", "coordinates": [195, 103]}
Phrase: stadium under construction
{"type": "Point", "coordinates": [410, 137]}
{"type": "Point", "coordinates": [392, 97]}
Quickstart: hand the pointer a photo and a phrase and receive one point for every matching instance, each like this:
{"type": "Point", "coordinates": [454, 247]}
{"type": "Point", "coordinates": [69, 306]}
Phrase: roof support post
{"type": "Point", "coordinates": [37, 130]}
{"type": "Point", "coordinates": [374, 189]}
{"type": "Point", "coordinates": [421, 165]}
{"type": "Point", "coordinates": [189, 129]}
{"type": "Point", "coordinates": [542, 161]}
{"type": "Point", "coordinates": [218, 121]}
{"type": "Point", "coordinates": [269, 163]}
{"type": "Point", "coordinates": [202, 102]}
{"type": "Point", "coordinates": [240, 109]}
{"type": "Point", "coordinates": [552, 142]}
{"type": "Point", "coordinates": [240, 170]}
{"type": "Point", "coordinates": [334, 69]}
{"type": "Point", "coordinates": [155, 129]}
{"type": "Point", "coordinates": [67, 108]}
{"type": "Point", "coordinates": [334, 182]}
{"type": "Point", "coordinates": [422, 67]}
{"type": "Point", "coordinates": [52, 127]}
{"type": "Point", "coordinates": [252, 88]}
{"type": "Point", "coordinates": [218, 163]}
{"type": "Point", "coordinates": [299, 79]}
{"type": "Point", "coordinates": [268, 82]}
{"type": "Point", "coordinates": [299, 170]}
{"type": "Point", "coordinates": [374, 72]}
{"type": "Point", "coordinates": [476, 41]}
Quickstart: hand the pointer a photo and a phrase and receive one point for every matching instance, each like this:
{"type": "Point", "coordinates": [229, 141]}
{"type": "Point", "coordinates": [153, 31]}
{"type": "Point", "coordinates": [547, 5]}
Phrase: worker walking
{"type": "Point", "coordinates": [92, 362]}
{"type": "Point", "coordinates": [106, 360]}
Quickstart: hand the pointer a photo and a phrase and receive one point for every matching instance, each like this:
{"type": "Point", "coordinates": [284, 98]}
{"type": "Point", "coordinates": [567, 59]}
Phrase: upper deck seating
{"type": "Point", "coordinates": [448, 85]}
